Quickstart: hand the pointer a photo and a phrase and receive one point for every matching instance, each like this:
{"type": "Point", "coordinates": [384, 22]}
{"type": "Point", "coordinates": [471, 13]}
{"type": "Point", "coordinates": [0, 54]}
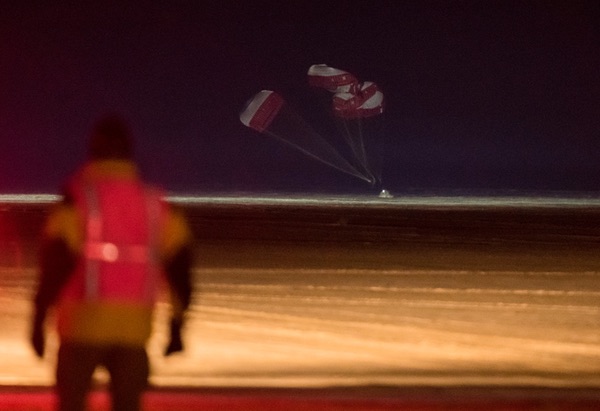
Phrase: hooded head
{"type": "Point", "coordinates": [111, 139]}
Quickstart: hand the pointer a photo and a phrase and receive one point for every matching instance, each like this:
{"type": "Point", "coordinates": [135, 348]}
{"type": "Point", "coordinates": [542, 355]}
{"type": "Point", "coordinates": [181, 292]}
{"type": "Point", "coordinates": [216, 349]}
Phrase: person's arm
{"type": "Point", "coordinates": [57, 260]}
{"type": "Point", "coordinates": [177, 264]}
{"type": "Point", "coordinates": [178, 272]}
{"type": "Point", "coordinates": [56, 264]}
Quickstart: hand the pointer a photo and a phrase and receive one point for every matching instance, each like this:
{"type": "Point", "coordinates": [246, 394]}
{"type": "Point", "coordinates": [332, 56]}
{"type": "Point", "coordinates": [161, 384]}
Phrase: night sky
{"type": "Point", "coordinates": [480, 95]}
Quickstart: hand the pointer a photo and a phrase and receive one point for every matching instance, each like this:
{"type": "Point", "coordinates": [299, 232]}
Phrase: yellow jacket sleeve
{"type": "Point", "coordinates": [64, 223]}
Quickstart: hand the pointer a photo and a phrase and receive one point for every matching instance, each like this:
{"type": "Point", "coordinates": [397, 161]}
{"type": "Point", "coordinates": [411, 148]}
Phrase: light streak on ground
{"type": "Point", "coordinates": [399, 201]}
{"type": "Point", "coordinates": [500, 200]}
{"type": "Point", "coordinates": [29, 198]}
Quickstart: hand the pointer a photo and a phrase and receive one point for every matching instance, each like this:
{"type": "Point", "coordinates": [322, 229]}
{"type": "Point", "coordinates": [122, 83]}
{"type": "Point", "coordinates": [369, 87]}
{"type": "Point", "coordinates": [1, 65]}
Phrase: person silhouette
{"type": "Point", "coordinates": [104, 249]}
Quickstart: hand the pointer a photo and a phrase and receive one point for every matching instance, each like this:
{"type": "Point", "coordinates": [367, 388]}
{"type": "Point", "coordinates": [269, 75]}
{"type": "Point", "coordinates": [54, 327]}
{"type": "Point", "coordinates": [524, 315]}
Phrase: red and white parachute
{"type": "Point", "coordinates": [353, 104]}
{"type": "Point", "coordinates": [268, 113]}
{"type": "Point", "coordinates": [365, 101]}
{"type": "Point", "coordinates": [332, 79]}
{"type": "Point", "coordinates": [261, 110]}
{"type": "Point", "coordinates": [351, 99]}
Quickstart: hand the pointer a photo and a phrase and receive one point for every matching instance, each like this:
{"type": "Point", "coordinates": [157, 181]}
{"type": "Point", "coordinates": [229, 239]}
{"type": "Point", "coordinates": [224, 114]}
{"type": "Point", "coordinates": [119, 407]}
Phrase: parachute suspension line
{"type": "Point", "coordinates": [363, 151]}
{"type": "Point", "coordinates": [348, 137]}
{"type": "Point", "coordinates": [306, 133]}
{"type": "Point", "coordinates": [357, 145]}
{"type": "Point", "coordinates": [353, 101]}
{"type": "Point", "coordinates": [348, 170]}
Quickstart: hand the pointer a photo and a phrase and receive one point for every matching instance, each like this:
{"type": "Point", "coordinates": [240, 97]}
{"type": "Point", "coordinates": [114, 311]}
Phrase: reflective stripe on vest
{"type": "Point", "coordinates": [97, 251]}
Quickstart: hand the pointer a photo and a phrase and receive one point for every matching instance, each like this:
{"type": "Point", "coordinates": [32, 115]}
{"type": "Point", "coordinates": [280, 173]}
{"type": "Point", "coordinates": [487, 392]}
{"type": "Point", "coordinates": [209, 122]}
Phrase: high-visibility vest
{"type": "Point", "coordinates": [119, 258]}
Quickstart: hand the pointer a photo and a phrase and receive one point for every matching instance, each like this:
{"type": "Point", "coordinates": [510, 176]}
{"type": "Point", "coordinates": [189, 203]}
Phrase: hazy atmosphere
{"type": "Point", "coordinates": [479, 94]}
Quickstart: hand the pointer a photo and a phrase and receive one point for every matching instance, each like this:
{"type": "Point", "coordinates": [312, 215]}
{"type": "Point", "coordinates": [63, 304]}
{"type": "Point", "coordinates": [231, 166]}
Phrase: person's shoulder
{"type": "Point", "coordinates": [178, 213]}
{"type": "Point", "coordinates": [63, 221]}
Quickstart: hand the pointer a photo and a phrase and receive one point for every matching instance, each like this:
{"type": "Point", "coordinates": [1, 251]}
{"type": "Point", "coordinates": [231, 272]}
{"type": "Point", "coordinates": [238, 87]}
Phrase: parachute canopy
{"type": "Point", "coordinates": [267, 112]}
{"type": "Point", "coordinates": [261, 110]}
{"type": "Point", "coordinates": [332, 79]}
{"type": "Point", "coordinates": [367, 101]}
{"type": "Point", "coordinates": [353, 106]}
{"type": "Point", "coordinates": [351, 99]}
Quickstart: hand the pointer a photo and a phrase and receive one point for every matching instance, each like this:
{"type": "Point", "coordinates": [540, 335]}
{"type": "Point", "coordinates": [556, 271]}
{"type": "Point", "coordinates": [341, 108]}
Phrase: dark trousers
{"type": "Point", "coordinates": [127, 366]}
